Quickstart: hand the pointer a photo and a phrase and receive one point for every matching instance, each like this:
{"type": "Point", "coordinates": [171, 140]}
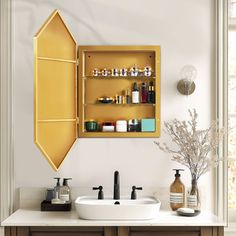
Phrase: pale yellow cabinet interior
{"type": "Point", "coordinates": [66, 92]}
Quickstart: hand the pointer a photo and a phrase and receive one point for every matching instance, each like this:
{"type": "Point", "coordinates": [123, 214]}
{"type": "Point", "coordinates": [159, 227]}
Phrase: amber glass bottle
{"type": "Point", "coordinates": [177, 192]}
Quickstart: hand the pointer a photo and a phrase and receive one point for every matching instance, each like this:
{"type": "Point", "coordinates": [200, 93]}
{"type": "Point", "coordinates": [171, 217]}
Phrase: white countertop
{"type": "Point", "coordinates": [25, 217]}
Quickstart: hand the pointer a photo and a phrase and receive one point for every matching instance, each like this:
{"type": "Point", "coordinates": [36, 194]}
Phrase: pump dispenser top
{"type": "Point", "coordinates": [65, 181]}
{"type": "Point", "coordinates": [177, 192]}
{"type": "Point", "coordinates": [177, 174]}
{"type": "Point", "coordinates": [58, 181]}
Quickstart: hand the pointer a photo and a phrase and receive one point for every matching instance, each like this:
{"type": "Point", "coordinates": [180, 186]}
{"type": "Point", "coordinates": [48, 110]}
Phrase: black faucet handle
{"type": "Point", "coordinates": [133, 193]}
{"type": "Point", "coordinates": [100, 192]}
{"type": "Point", "coordinates": [98, 188]}
{"type": "Point", "coordinates": [137, 188]}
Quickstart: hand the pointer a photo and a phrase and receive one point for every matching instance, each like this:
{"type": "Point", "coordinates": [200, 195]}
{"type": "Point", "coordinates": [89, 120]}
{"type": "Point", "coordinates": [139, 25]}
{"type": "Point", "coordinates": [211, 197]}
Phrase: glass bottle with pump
{"type": "Point", "coordinates": [65, 191]}
{"type": "Point", "coordinates": [135, 94]}
{"type": "Point", "coordinates": [56, 190]}
{"type": "Point", "coordinates": [177, 192]}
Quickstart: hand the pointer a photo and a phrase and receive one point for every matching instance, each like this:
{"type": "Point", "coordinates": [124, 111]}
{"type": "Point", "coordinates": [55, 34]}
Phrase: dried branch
{"type": "Point", "coordinates": [193, 146]}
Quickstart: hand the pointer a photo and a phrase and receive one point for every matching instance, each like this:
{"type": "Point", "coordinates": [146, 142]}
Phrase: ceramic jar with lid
{"type": "Point", "coordinates": [147, 71]}
{"type": "Point", "coordinates": [134, 71]}
{"type": "Point", "coordinates": [115, 72]}
{"type": "Point", "coordinates": [121, 126]}
{"type": "Point", "coordinates": [91, 126]}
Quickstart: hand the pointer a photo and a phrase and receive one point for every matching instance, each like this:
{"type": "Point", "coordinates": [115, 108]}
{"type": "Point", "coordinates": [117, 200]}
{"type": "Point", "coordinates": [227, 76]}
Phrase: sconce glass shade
{"type": "Point", "coordinates": [186, 85]}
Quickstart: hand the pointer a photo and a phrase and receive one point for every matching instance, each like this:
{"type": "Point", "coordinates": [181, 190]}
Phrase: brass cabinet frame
{"type": "Point", "coordinates": [113, 50]}
{"type": "Point", "coordinates": [55, 74]}
{"type": "Point", "coordinates": [59, 108]}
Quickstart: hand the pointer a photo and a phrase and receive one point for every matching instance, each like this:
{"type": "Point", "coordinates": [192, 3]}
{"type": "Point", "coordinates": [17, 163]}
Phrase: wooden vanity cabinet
{"type": "Point", "coordinates": [66, 92]}
{"type": "Point", "coordinates": [115, 231]}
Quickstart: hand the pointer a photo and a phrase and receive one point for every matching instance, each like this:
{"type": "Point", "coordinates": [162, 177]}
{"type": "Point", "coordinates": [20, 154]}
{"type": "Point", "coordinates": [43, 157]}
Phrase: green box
{"type": "Point", "coordinates": [148, 125]}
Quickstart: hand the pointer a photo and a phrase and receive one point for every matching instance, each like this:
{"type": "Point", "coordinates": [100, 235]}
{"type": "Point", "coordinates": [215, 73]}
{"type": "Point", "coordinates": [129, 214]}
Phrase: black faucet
{"type": "Point", "coordinates": [116, 194]}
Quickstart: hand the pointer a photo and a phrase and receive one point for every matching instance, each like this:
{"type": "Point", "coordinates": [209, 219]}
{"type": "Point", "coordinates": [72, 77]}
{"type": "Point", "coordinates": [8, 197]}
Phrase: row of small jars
{"type": "Point", "coordinates": [133, 71]}
{"type": "Point", "coordinates": [132, 125]}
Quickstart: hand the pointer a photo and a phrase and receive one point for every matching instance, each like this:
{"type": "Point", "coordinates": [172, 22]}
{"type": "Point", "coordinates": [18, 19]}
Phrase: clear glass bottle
{"type": "Point", "coordinates": [65, 191]}
{"type": "Point", "coordinates": [56, 189]}
{"type": "Point", "coordinates": [193, 197]}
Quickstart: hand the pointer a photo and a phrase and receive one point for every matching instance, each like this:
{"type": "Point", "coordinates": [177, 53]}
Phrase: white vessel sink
{"type": "Point", "coordinates": [91, 208]}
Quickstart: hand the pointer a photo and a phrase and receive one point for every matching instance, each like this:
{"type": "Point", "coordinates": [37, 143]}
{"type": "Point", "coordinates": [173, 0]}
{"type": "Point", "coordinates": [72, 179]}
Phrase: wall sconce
{"type": "Point", "coordinates": [186, 85]}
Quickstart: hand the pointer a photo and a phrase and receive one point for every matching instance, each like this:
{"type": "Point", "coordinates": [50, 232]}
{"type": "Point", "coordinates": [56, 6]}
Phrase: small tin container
{"type": "Point", "coordinates": [134, 71]}
{"type": "Point", "coordinates": [115, 72]}
{"type": "Point", "coordinates": [147, 71]}
{"type": "Point", "coordinates": [121, 126]}
{"type": "Point", "coordinates": [134, 125]}
{"type": "Point", "coordinates": [123, 72]}
{"type": "Point", "coordinates": [104, 72]}
{"type": "Point", "coordinates": [95, 72]}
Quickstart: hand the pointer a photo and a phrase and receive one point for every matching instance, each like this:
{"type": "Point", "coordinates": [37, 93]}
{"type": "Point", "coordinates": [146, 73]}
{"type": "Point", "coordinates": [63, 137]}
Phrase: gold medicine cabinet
{"type": "Point", "coordinates": [66, 93]}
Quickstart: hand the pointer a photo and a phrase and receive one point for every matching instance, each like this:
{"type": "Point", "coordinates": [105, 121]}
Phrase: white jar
{"type": "Point", "coordinates": [108, 128]}
{"type": "Point", "coordinates": [121, 126]}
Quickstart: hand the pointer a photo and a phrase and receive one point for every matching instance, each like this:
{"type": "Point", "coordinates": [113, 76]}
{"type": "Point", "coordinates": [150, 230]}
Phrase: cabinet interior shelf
{"type": "Point", "coordinates": [119, 77]}
{"type": "Point", "coordinates": [118, 105]}
{"type": "Point", "coordinates": [117, 134]}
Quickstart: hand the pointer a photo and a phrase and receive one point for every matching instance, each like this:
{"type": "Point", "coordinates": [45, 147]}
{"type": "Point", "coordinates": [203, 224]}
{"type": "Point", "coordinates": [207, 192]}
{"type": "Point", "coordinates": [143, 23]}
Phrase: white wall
{"type": "Point", "coordinates": [185, 31]}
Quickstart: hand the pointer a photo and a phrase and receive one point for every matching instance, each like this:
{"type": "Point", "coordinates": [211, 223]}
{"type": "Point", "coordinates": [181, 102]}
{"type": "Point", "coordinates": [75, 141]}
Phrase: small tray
{"type": "Point", "coordinates": [195, 213]}
{"type": "Point", "coordinates": [48, 206]}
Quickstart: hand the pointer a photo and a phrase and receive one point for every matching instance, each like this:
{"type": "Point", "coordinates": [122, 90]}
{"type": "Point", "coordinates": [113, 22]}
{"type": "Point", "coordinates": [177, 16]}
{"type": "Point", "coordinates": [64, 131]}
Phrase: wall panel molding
{"type": "Point", "coordinates": [6, 110]}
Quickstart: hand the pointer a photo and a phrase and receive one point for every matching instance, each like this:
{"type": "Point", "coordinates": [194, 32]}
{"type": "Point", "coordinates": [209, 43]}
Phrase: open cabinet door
{"type": "Point", "coordinates": [55, 90]}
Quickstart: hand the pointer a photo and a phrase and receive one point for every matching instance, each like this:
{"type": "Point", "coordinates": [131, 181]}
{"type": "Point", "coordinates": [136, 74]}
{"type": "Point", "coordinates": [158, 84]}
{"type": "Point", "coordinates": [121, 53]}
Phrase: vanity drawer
{"type": "Point", "coordinates": [66, 231]}
{"type": "Point", "coordinates": [165, 234]}
{"type": "Point", "coordinates": [67, 234]}
{"type": "Point", "coordinates": [165, 231]}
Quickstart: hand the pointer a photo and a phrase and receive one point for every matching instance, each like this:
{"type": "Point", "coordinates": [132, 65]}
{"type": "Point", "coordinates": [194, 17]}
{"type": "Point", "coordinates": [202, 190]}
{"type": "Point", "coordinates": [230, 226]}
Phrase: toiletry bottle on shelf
{"type": "Point", "coordinates": [151, 93]}
{"type": "Point", "coordinates": [127, 97]}
{"type": "Point", "coordinates": [65, 191]}
{"type": "Point", "coordinates": [144, 93]}
{"type": "Point", "coordinates": [56, 189]}
{"type": "Point", "coordinates": [135, 94]}
{"type": "Point", "coordinates": [177, 192]}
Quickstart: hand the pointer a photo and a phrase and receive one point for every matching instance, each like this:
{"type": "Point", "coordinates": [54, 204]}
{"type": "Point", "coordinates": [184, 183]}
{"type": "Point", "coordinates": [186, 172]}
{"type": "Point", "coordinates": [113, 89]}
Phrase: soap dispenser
{"type": "Point", "coordinates": [65, 191]}
{"type": "Point", "coordinates": [177, 192]}
{"type": "Point", "coordinates": [56, 189]}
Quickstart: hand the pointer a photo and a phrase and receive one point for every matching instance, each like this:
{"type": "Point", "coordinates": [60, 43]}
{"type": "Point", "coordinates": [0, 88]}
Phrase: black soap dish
{"type": "Point", "coordinates": [48, 206]}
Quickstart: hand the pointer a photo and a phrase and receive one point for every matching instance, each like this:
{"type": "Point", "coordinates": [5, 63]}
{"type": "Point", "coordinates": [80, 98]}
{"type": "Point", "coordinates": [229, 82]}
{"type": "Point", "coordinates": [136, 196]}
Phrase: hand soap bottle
{"type": "Point", "coordinates": [65, 191]}
{"type": "Point", "coordinates": [177, 192]}
{"type": "Point", "coordinates": [56, 193]}
{"type": "Point", "coordinates": [56, 188]}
